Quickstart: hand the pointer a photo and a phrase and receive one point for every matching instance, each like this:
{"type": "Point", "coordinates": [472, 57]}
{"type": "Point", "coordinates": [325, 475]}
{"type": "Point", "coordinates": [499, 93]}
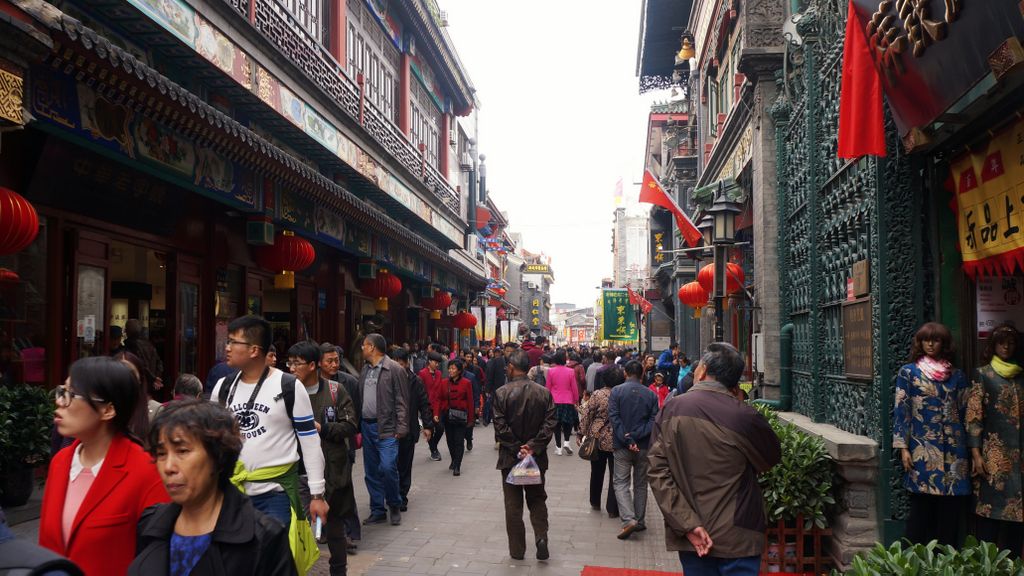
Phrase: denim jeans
{"type": "Point", "coordinates": [274, 504]}
{"type": "Point", "coordinates": [632, 506]}
{"type": "Point", "coordinates": [380, 463]}
{"type": "Point", "coordinates": [694, 565]}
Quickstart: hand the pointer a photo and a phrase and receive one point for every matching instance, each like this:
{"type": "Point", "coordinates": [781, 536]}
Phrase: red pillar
{"type": "Point", "coordinates": [338, 30]}
{"type": "Point", "coordinates": [404, 91]}
{"type": "Point", "coordinates": [443, 148]}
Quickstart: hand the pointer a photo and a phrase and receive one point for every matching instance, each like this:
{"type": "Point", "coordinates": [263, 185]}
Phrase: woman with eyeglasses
{"type": "Point", "coordinates": [98, 486]}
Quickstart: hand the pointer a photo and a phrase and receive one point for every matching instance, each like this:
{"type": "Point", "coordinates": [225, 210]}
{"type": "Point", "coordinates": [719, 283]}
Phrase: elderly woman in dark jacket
{"type": "Point", "coordinates": [210, 526]}
{"type": "Point", "coordinates": [596, 423]}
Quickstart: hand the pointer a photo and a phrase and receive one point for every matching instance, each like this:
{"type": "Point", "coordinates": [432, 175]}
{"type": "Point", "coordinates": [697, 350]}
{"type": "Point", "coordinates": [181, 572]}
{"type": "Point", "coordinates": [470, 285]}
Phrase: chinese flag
{"type": "Point", "coordinates": [651, 192]}
{"type": "Point", "coordinates": [861, 120]}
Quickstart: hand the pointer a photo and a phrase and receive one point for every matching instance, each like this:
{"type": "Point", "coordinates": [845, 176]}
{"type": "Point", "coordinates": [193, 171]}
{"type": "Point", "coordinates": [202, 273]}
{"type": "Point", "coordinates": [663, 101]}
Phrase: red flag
{"type": "Point", "coordinates": [651, 192]}
{"type": "Point", "coordinates": [861, 119]}
{"type": "Point", "coordinates": [634, 298]}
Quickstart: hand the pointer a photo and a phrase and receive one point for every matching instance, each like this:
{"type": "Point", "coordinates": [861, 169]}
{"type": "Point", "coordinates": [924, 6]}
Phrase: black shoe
{"type": "Point", "coordinates": [456, 472]}
{"type": "Point", "coordinates": [435, 456]}
{"type": "Point", "coordinates": [469, 445]}
{"type": "Point", "coordinates": [375, 519]}
{"type": "Point", "coordinates": [613, 514]}
{"type": "Point", "coordinates": [451, 466]}
{"type": "Point", "coordinates": [516, 557]}
{"type": "Point", "coordinates": [396, 516]}
{"type": "Point", "coordinates": [403, 508]}
{"type": "Point", "coordinates": [542, 549]}
{"type": "Point", "coordinates": [595, 507]}
{"type": "Point", "coordinates": [640, 527]}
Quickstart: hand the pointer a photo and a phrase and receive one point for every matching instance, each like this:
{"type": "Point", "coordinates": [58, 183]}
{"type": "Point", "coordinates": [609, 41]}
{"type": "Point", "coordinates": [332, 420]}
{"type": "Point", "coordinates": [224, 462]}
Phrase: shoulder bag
{"type": "Point", "coordinates": [588, 447]}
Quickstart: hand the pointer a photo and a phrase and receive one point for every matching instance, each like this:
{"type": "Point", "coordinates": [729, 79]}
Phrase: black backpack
{"type": "Point", "coordinates": [20, 558]}
{"type": "Point", "coordinates": [287, 391]}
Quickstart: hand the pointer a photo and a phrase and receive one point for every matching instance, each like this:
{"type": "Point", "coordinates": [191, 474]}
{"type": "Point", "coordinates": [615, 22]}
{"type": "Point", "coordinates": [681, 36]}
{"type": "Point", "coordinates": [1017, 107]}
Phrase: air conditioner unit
{"type": "Point", "coordinates": [443, 17]}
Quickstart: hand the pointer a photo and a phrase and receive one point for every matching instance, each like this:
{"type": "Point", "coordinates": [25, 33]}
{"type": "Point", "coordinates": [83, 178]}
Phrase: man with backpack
{"type": "Point", "coordinates": [335, 420]}
{"type": "Point", "coordinates": [274, 422]}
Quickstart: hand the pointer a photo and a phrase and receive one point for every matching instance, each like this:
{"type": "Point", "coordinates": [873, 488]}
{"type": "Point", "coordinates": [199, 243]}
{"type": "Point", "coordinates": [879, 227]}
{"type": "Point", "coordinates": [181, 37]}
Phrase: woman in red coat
{"type": "Point", "coordinates": [456, 403]}
{"type": "Point", "coordinates": [98, 486]}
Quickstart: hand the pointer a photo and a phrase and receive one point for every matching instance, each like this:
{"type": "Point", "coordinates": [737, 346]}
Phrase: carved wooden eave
{"type": "Point", "coordinates": [763, 44]}
{"type": "Point", "coordinates": [20, 44]}
{"type": "Point", "coordinates": [437, 44]}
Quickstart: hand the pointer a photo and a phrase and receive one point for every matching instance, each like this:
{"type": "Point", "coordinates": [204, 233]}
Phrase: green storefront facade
{"type": "Point", "coordinates": [868, 248]}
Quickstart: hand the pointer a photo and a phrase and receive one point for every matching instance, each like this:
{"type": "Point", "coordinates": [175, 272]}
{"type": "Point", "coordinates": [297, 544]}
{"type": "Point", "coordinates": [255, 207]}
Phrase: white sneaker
{"type": "Point", "coordinates": [566, 448]}
{"type": "Point", "coordinates": [558, 451]}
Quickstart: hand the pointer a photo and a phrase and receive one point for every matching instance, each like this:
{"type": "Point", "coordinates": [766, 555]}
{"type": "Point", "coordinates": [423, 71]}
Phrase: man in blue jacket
{"type": "Point", "coordinates": [632, 408]}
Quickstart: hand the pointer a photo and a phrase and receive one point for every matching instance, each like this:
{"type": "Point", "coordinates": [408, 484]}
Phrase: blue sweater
{"type": "Point", "coordinates": [632, 408]}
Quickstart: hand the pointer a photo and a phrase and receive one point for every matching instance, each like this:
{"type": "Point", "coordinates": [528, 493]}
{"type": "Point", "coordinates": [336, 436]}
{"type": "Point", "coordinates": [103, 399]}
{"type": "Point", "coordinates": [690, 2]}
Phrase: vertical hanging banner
{"type": "Point", "coordinates": [490, 321]}
{"type": "Point", "coordinates": [479, 328]}
{"type": "Point", "coordinates": [513, 331]}
{"type": "Point", "coordinates": [988, 186]}
{"type": "Point", "coordinates": [619, 319]}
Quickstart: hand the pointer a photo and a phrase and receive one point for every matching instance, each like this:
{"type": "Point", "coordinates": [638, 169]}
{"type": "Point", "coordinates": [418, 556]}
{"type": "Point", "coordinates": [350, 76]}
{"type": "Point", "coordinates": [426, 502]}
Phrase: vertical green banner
{"type": "Point", "coordinates": [619, 322]}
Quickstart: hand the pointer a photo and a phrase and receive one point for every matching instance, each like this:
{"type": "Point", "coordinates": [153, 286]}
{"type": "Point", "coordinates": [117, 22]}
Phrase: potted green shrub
{"type": "Point", "coordinates": [26, 422]}
{"type": "Point", "coordinates": [800, 485]}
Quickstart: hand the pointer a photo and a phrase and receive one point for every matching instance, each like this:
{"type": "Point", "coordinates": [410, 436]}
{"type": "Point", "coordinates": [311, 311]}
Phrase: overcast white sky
{"type": "Point", "coordinates": [560, 122]}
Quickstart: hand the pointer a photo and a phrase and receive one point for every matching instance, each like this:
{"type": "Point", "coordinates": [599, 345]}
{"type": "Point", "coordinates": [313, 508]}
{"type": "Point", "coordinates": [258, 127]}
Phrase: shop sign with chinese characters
{"type": "Point", "coordinates": [619, 319]}
{"type": "Point", "coordinates": [914, 42]}
{"type": "Point", "coordinates": [989, 199]}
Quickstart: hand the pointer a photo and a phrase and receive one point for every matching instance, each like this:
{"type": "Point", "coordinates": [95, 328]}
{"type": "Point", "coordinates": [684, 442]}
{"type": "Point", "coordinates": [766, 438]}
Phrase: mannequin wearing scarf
{"type": "Point", "coordinates": [930, 439]}
{"type": "Point", "coordinates": [994, 431]}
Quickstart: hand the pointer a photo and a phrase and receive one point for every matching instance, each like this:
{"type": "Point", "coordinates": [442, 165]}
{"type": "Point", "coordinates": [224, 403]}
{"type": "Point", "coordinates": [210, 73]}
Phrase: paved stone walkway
{"type": "Point", "coordinates": [457, 525]}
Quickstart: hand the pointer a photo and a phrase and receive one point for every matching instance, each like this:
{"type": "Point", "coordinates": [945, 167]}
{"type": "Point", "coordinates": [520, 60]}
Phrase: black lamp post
{"type": "Point", "coordinates": [722, 228]}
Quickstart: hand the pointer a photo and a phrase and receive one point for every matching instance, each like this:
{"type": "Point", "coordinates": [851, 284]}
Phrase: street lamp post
{"type": "Point", "coordinates": [722, 229]}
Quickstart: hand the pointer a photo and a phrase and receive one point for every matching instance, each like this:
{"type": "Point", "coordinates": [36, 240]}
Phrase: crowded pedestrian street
{"type": "Point", "coordinates": [454, 526]}
{"type": "Point", "coordinates": [481, 287]}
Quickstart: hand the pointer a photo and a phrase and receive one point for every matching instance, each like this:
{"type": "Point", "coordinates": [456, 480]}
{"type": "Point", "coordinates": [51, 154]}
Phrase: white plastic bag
{"type": "Point", "coordinates": [525, 473]}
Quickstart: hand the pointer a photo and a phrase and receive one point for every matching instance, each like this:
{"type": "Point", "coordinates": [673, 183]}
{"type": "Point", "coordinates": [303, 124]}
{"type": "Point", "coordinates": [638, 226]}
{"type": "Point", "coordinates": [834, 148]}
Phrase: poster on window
{"type": "Point", "coordinates": [1000, 300]}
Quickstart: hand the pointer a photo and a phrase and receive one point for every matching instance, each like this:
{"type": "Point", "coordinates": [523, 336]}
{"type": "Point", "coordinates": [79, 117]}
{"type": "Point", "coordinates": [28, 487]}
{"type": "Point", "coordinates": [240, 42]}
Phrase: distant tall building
{"type": "Point", "coordinates": [630, 249]}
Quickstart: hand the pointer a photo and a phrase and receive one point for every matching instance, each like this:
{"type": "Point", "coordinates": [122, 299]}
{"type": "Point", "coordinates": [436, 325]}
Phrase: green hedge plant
{"type": "Point", "coordinates": [26, 425]}
{"type": "Point", "coordinates": [801, 483]}
{"type": "Point", "coordinates": [904, 559]}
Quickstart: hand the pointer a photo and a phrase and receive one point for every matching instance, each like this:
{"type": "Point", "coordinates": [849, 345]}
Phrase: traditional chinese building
{"type": "Point", "coordinates": [866, 249]}
{"type": "Point", "coordinates": [185, 156]}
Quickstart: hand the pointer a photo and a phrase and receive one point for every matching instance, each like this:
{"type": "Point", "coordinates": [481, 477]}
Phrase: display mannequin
{"type": "Point", "coordinates": [929, 437]}
{"type": "Point", "coordinates": [994, 415]}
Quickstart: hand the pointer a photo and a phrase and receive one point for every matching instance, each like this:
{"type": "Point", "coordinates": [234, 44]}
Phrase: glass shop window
{"type": "Point", "coordinates": [23, 314]}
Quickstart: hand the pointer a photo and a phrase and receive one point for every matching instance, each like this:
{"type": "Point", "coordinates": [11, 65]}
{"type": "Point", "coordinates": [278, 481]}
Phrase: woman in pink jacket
{"type": "Point", "coordinates": [561, 382]}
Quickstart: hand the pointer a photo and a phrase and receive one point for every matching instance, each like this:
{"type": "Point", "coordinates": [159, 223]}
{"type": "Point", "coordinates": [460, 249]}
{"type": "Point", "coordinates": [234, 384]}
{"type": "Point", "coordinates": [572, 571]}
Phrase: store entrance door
{"type": "Point", "coordinates": [90, 269]}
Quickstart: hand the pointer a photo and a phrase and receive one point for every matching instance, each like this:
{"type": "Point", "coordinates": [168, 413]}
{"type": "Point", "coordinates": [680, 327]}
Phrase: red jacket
{"type": "Point", "coordinates": [458, 395]}
{"type": "Point", "coordinates": [434, 385]}
{"type": "Point", "coordinates": [102, 540]}
{"type": "Point", "coordinates": [533, 351]}
{"type": "Point", "coordinates": [661, 392]}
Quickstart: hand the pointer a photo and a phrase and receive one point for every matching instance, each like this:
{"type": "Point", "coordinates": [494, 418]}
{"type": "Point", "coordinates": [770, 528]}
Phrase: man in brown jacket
{"type": "Point", "coordinates": [524, 420]}
{"type": "Point", "coordinates": [707, 450]}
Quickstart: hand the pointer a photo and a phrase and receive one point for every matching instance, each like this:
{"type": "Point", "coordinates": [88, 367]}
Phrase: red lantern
{"type": "Point", "coordinates": [19, 223]}
{"type": "Point", "coordinates": [464, 321]}
{"type": "Point", "coordinates": [8, 276]}
{"type": "Point", "coordinates": [441, 300]}
{"type": "Point", "coordinates": [385, 285]}
{"type": "Point", "coordinates": [501, 291]}
{"type": "Point", "coordinates": [733, 273]}
{"type": "Point", "coordinates": [494, 302]}
{"type": "Point", "coordinates": [695, 296]}
{"type": "Point", "coordinates": [286, 255]}
{"type": "Point", "coordinates": [483, 216]}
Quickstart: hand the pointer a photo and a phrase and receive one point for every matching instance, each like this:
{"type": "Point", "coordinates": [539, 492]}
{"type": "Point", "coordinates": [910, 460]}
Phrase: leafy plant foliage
{"type": "Point", "coordinates": [26, 422]}
{"type": "Point", "coordinates": [904, 559]}
{"type": "Point", "coordinates": [801, 483]}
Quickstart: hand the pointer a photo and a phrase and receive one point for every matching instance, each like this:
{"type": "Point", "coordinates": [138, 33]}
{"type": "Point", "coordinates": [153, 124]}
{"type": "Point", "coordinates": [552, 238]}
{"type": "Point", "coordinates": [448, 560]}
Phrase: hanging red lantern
{"type": "Point", "coordinates": [19, 223]}
{"type": "Point", "coordinates": [8, 276]}
{"type": "Point", "coordinates": [695, 296]}
{"type": "Point", "coordinates": [287, 255]}
{"type": "Point", "coordinates": [733, 273]}
{"type": "Point", "coordinates": [483, 216]}
{"type": "Point", "coordinates": [494, 302]}
{"type": "Point", "coordinates": [464, 321]}
{"type": "Point", "coordinates": [385, 285]}
{"type": "Point", "coordinates": [441, 300]}
{"type": "Point", "coordinates": [501, 291]}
